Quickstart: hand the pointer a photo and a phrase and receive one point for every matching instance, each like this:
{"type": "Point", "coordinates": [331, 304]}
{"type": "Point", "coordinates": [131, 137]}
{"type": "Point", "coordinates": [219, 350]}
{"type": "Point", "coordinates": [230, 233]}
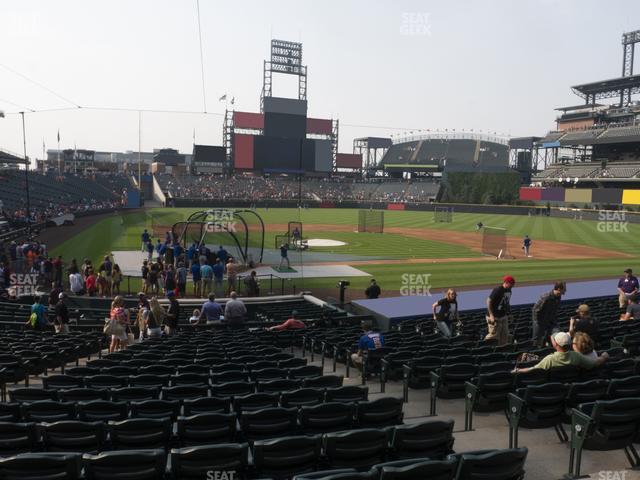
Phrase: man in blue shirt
{"type": "Point", "coordinates": [526, 245]}
{"type": "Point", "coordinates": [145, 239]}
{"type": "Point", "coordinates": [191, 253]}
{"type": "Point", "coordinates": [222, 255]}
{"type": "Point", "coordinates": [370, 340]}
{"type": "Point", "coordinates": [218, 274]}
{"type": "Point", "coordinates": [284, 257]}
{"type": "Point", "coordinates": [211, 311]}
{"type": "Point", "coordinates": [627, 287]}
{"type": "Point", "coordinates": [197, 279]}
{"type": "Point", "coordinates": [150, 249]}
{"type": "Point", "coordinates": [177, 251]}
{"type": "Point", "coordinates": [207, 276]}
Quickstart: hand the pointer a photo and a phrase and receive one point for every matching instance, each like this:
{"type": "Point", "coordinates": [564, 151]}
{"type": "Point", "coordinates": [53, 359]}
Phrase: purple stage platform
{"type": "Point", "coordinates": [389, 311]}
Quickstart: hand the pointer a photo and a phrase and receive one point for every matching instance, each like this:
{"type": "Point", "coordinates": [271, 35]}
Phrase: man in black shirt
{"type": "Point", "coordinates": [498, 310]}
{"type": "Point", "coordinates": [61, 322]}
{"type": "Point", "coordinates": [448, 312]}
{"type": "Point", "coordinates": [584, 322]}
{"type": "Point", "coordinates": [545, 314]}
{"type": "Point", "coordinates": [373, 291]}
{"type": "Point", "coordinates": [173, 314]}
{"type": "Point", "coordinates": [252, 285]}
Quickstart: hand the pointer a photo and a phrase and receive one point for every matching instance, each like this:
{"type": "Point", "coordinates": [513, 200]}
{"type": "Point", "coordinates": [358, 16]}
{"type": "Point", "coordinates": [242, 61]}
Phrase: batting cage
{"type": "Point", "coordinates": [494, 242]}
{"type": "Point", "coordinates": [371, 221]}
{"type": "Point", "coordinates": [443, 214]}
{"type": "Point", "coordinates": [293, 237]}
{"type": "Point", "coordinates": [240, 231]}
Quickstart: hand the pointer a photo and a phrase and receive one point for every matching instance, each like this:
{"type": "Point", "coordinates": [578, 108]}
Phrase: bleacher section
{"type": "Point", "coordinates": [590, 170]}
{"type": "Point", "coordinates": [52, 195]}
{"type": "Point", "coordinates": [242, 401]}
{"type": "Point", "coordinates": [313, 189]}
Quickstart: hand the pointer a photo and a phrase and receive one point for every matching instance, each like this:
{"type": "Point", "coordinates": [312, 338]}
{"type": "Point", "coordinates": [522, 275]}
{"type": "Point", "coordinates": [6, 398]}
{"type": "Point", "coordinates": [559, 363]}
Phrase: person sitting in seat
{"type": "Point", "coordinates": [564, 356]}
{"type": "Point", "coordinates": [582, 343]}
{"type": "Point", "coordinates": [633, 309]}
{"type": "Point", "coordinates": [370, 340]}
{"type": "Point", "coordinates": [291, 324]}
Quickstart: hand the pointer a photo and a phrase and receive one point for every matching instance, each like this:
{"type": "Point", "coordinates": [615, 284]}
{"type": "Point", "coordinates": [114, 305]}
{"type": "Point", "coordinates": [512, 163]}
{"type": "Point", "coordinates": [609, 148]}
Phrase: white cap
{"type": "Point", "coordinates": [562, 338]}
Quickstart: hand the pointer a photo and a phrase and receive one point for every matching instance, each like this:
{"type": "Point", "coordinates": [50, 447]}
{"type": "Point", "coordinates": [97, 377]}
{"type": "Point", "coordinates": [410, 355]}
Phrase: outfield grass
{"type": "Point", "coordinates": [122, 232]}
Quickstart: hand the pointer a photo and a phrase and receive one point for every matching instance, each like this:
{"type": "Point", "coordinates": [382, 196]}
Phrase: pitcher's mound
{"type": "Point", "coordinates": [324, 242]}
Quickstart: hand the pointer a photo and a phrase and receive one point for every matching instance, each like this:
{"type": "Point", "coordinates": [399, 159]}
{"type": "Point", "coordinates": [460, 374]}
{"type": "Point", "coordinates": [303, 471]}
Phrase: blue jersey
{"type": "Point", "coordinates": [283, 252]}
{"type": "Point", "coordinates": [195, 271]}
{"type": "Point", "coordinates": [527, 242]}
{"type": "Point", "coordinates": [146, 237]}
{"type": "Point", "coordinates": [218, 271]}
{"type": "Point", "coordinates": [371, 341]}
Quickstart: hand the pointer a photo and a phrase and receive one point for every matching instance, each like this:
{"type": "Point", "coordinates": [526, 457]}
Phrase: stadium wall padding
{"type": "Point", "coordinates": [577, 195]}
{"type": "Point", "coordinates": [532, 193]}
{"type": "Point", "coordinates": [606, 195]}
{"type": "Point", "coordinates": [631, 197]}
{"type": "Point", "coordinates": [553, 194]}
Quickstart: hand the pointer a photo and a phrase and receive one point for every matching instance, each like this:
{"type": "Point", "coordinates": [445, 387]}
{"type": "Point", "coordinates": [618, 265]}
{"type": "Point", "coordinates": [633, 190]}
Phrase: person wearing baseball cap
{"type": "Point", "coordinates": [498, 311]}
{"type": "Point", "coordinates": [61, 322]}
{"type": "Point", "coordinates": [627, 287]}
{"type": "Point", "coordinates": [564, 356]}
{"type": "Point", "coordinates": [545, 314]}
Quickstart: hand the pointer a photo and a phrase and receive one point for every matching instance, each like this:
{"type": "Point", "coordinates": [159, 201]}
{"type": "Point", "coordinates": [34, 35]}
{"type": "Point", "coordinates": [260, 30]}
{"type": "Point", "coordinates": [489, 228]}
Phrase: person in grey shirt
{"type": "Point", "coordinates": [633, 309]}
{"type": "Point", "coordinates": [235, 312]}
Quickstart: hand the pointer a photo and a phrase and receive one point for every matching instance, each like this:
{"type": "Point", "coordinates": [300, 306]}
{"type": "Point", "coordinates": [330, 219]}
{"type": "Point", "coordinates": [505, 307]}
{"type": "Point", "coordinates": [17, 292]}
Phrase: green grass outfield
{"type": "Point", "coordinates": [122, 232]}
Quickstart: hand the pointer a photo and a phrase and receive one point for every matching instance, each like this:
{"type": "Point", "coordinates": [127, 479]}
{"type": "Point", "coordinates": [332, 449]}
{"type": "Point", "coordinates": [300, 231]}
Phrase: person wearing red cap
{"type": "Point", "coordinates": [498, 310]}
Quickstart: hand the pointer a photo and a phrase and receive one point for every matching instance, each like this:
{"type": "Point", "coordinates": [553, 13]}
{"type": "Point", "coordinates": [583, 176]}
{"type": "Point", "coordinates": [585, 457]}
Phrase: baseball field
{"type": "Point", "coordinates": [413, 243]}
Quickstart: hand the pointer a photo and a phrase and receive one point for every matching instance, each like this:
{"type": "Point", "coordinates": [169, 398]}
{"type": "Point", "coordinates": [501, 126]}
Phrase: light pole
{"type": "Point", "coordinates": [26, 172]}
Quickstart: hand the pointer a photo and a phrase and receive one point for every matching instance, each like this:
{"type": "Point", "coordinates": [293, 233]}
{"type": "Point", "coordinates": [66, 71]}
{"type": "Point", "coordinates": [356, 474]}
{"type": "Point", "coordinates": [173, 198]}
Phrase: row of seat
{"type": "Point", "coordinates": [284, 458]}
{"type": "Point", "coordinates": [257, 418]}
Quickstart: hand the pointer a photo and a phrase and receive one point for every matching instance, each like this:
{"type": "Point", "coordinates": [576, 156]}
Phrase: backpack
{"type": "Point", "coordinates": [33, 319]}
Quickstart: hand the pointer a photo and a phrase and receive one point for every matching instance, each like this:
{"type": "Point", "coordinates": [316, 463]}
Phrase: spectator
{"type": "Point", "coordinates": [252, 285]}
{"type": "Point", "coordinates": [584, 323]}
{"type": "Point", "coordinates": [564, 356]}
{"type": "Point", "coordinates": [498, 311]}
{"type": "Point", "coordinates": [120, 316]}
{"type": "Point", "coordinates": [232, 275]}
{"type": "Point", "coordinates": [222, 255]}
{"type": "Point", "coordinates": [195, 317]}
{"type": "Point", "coordinates": [170, 284]}
{"type": "Point", "coordinates": [235, 312]}
{"type": "Point", "coordinates": [582, 343]}
{"type": "Point", "coordinates": [218, 275]}
{"type": "Point", "coordinates": [448, 312]}
{"type": "Point", "coordinates": [173, 315]}
{"type": "Point", "coordinates": [76, 285]}
{"type": "Point", "coordinates": [91, 283]}
{"type": "Point", "coordinates": [86, 266]}
{"type": "Point", "coordinates": [181, 279]}
{"type": "Point", "coordinates": [291, 324]}
{"type": "Point", "coordinates": [545, 314]}
{"type": "Point", "coordinates": [146, 238]}
{"type": "Point", "coordinates": [38, 317]}
{"type": "Point", "coordinates": [57, 271]}
{"type": "Point", "coordinates": [149, 250]}
{"type": "Point", "coordinates": [211, 311]}
{"type": "Point", "coordinates": [206, 272]}
{"type": "Point", "coordinates": [627, 287]}
{"type": "Point", "coordinates": [370, 340]}
{"type": "Point", "coordinates": [191, 253]}
{"type": "Point", "coordinates": [154, 272]}
{"type": "Point", "coordinates": [105, 271]}
{"type": "Point", "coordinates": [157, 316]}
{"type": "Point", "coordinates": [145, 276]}
{"type": "Point", "coordinates": [196, 278]}
{"type": "Point", "coordinates": [633, 309]}
{"type": "Point", "coordinates": [61, 322]}
{"type": "Point", "coordinates": [141, 319]}
{"type": "Point", "coordinates": [73, 267]}
{"type": "Point", "coordinates": [116, 279]}
{"type": "Point", "coordinates": [373, 290]}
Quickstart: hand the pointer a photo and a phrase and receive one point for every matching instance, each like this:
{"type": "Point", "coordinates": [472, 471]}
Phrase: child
{"type": "Point", "coordinates": [195, 317]}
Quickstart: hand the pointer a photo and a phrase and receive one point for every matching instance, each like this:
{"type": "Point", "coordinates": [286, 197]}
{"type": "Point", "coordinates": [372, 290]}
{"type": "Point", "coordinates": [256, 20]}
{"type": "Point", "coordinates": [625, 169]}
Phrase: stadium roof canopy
{"type": "Point", "coordinates": [579, 107]}
{"type": "Point", "coordinates": [7, 157]}
{"type": "Point", "coordinates": [608, 88]}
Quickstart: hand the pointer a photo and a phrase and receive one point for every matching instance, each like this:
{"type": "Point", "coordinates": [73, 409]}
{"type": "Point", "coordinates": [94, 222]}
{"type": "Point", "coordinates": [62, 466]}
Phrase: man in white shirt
{"type": "Point", "coordinates": [76, 284]}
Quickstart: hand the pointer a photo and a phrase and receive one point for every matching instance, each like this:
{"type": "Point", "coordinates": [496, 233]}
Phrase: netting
{"type": "Point", "coordinates": [443, 214]}
{"type": "Point", "coordinates": [371, 221]}
{"type": "Point", "coordinates": [494, 242]}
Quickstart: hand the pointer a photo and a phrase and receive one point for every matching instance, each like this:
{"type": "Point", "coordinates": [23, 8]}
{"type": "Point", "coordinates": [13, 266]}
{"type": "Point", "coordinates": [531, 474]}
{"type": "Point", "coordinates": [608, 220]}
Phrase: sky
{"type": "Point", "coordinates": [381, 67]}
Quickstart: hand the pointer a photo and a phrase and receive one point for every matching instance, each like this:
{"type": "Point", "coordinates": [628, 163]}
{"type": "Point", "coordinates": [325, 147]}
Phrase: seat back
{"type": "Point", "coordinates": [140, 433]}
{"type": "Point", "coordinates": [357, 449]}
{"type": "Point", "coordinates": [505, 464]}
{"type": "Point", "coordinates": [17, 438]}
{"type": "Point", "coordinates": [130, 464]}
{"type": "Point", "coordinates": [327, 417]}
{"type": "Point", "coordinates": [41, 466]}
{"type": "Point", "coordinates": [431, 469]}
{"type": "Point", "coordinates": [624, 387]}
{"type": "Point", "coordinates": [101, 410]}
{"type": "Point", "coordinates": [381, 412]}
{"type": "Point", "coordinates": [348, 393]}
{"type": "Point", "coordinates": [287, 456]}
{"type": "Point", "coordinates": [196, 463]}
{"type": "Point", "coordinates": [48, 411]}
{"type": "Point", "coordinates": [207, 428]}
{"type": "Point", "coordinates": [73, 436]}
{"type": "Point", "coordinates": [268, 423]}
{"type": "Point", "coordinates": [432, 439]}
{"type": "Point", "coordinates": [206, 405]}
{"type": "Point", "coordinates": [155, 409]}
{"type": "Point", "coordinates": [302, 397]}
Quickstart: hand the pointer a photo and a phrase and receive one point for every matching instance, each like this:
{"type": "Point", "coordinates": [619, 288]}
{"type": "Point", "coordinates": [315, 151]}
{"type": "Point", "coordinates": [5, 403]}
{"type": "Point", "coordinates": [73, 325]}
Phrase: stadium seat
{"type": "Point", "coordinates": [326, 381]}
{"type": "Point", "coordinates": [326, 417]}
{"type": "Point", "coordinates": [129, 464]}
{"type": "Point", "coordinates": [232, 389]}
{"type": "Point", "coordinates": [73, 436]}
{"type": "Point", "coordinates": [357, 449]}
{"type": "Point", "coordinates": [21, 395]}
{"type": "Point", "coordinates": [346, 394]}
{"type": "Point", "coordinates": [105, 381]}
{"type": "Point", "coordinates": [322, 474]}
{"type": "Point", "coordinates": [229, 376]}
{"type": "Point", "coordinates": [604, 425]}
{"type": "Point", "coordinates": [195, 463]}
{"type": "Point", "coordinates": [83, 394]}
{"type": "Point", "coordinates": [146, 380]}
{"type": "Point", "coordinates": [155, 409]}
{"type": "Point", "coordinates": [284, 457]}
{"type": "Point", "coordinates": [302, 397]}
{"type": "Point", "coordinates": [10, 412]}
{"type": "Point", "coordinates": [624, 387]}
{"type": "Point", "coordinates": [419, 469]}
{"type": "Point", "coordinates": [537, 406]}
{"type": "Point", "coordinates": [101, 410]}
{"type": "Point", "coordinates": [188, 379]}
{"type": "Point", "coordinates": [195, 406]}
{"type": "Point", "coordinates": [206, 428]}
{"type": "Point", "coordinates": [486, 393]}
{"type": "Point", "coordinates": [268, 423]}
{"type": "Point", "coordinates": [584, 392]}
{"type": "Point", "coordinates": [181, 392]}
{"type": "Point", "coordinates": [134, 394]}
{"type": "Point", "coordinates": [140, 433]}
{"type": "Point", "coordinates": [431, 439]}
{"type": "Point", "coordinates": [505, 464]}
{"type": "Point", "coordinates": [382, 412]}
{"type": "Point", "coordinates": [17, 438]}
{"type": "Point", "coordinates": [59, 382]}
{"type": "Point", "coordinates": [48, 411]}
{"type": "Point", "coordinates": [255, 401]}
{"type": "Point", "coordinates": [41, 466]}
